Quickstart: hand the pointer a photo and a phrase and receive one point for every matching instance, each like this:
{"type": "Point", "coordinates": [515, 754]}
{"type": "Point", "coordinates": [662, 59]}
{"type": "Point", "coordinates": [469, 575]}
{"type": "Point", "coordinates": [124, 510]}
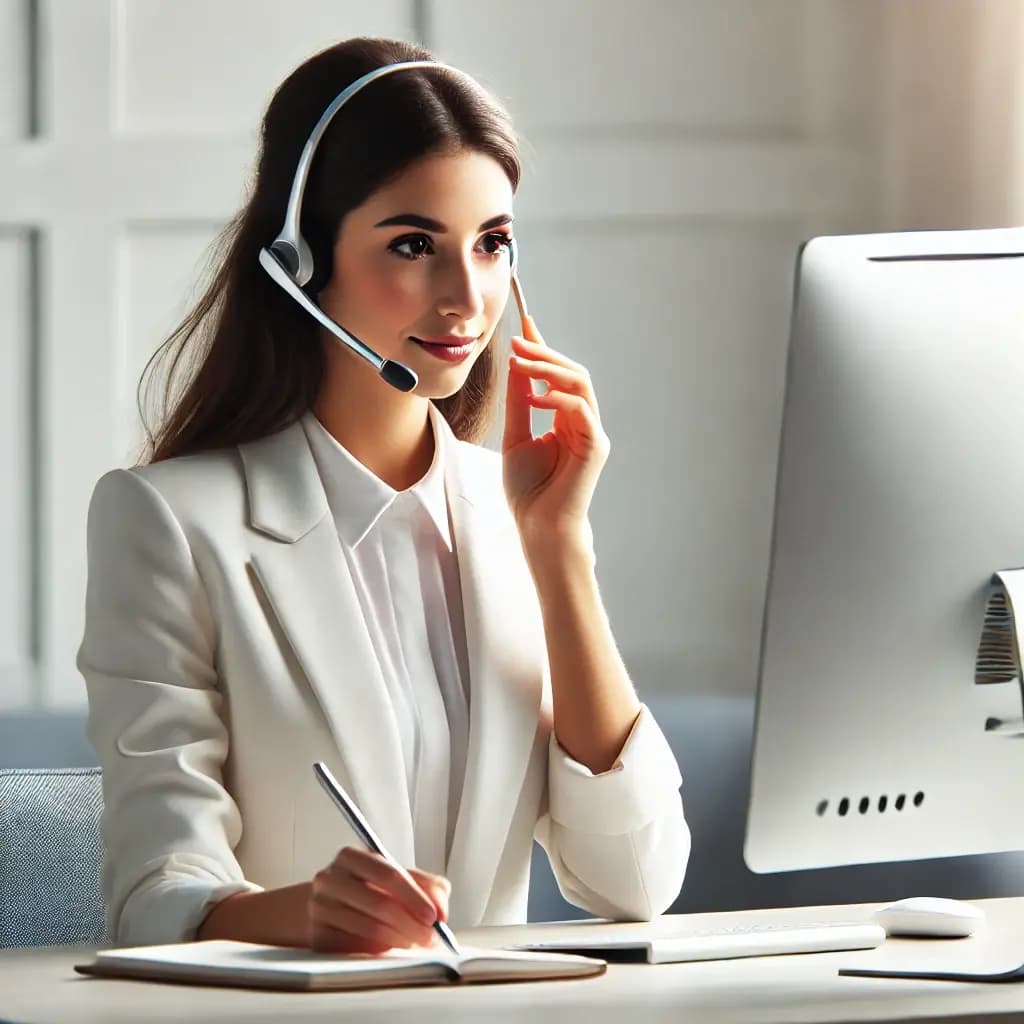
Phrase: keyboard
{"type": "Point", "coordinates": [684, 944]}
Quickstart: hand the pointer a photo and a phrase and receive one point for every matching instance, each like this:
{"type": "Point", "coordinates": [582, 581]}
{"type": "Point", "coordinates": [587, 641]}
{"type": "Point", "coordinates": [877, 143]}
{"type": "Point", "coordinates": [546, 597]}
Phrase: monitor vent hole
{"type": "Point", "coordinates": [864, 804]}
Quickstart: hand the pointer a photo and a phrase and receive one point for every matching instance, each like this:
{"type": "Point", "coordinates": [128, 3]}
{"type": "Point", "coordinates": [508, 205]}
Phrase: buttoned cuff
{"type": "Point", "coordinates": [640, 786]}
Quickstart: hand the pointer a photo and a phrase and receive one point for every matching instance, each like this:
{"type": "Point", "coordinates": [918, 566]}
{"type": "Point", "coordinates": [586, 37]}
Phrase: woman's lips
{"type": "Point", "coordinates": [448, 348]}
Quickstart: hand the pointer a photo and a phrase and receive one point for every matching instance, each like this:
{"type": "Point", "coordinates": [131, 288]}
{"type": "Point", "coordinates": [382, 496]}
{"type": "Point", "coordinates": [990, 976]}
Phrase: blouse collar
{"type": "Point", "coordinates": [358, 498]}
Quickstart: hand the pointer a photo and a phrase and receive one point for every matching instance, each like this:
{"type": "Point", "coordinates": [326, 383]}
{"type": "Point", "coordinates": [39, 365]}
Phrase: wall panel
{"type": "Point", "coordinates": [597, 66]}
{"type": "Point", "coordinates": [194, 67]}
{"type": "Point", "coordinates": [17, 604]}
{"type": "Point", "coordinates": [14, 69]}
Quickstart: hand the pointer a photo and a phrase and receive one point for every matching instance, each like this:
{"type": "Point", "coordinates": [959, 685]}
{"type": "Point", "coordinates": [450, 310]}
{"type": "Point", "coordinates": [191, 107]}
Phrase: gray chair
{"type": "Point", "coordinates": [50, 855]}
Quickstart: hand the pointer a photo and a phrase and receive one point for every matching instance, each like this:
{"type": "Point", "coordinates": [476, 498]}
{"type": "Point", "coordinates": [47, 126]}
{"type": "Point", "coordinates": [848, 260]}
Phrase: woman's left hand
{"type": "Point", "coordinates": [549, 480]}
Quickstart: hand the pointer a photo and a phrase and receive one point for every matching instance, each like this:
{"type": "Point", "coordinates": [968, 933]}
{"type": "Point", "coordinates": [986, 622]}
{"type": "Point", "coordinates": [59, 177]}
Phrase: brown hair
{"type": "Point", "coordinates": [247, 360]}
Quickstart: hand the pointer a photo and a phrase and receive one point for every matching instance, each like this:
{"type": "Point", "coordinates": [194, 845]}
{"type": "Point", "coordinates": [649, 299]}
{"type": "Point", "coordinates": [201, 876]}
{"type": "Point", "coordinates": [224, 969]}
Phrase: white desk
{"type": "Point", "coordinates": [39, 985]}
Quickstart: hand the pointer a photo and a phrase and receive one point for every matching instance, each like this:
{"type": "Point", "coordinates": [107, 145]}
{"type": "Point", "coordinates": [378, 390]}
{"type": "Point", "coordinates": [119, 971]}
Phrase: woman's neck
{"type": "Point", "coordinates": [387, 431]}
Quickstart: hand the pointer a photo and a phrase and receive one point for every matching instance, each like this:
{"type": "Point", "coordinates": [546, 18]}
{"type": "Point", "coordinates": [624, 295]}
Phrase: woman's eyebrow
{"type": "Point", "coordinates": [429, 224]}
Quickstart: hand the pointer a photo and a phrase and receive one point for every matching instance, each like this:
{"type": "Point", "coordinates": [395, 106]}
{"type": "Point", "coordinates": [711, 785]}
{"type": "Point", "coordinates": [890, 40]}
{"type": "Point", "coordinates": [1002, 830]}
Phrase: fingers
{"type": "Point", "coordinates": [360, 902]}
{"type": "Point", "coordinates": [586, 437]}
{"type": "Point", "coordinates": [339, 928]}
{"type": "Point", "coordinates": [582, 421]}
{"type": "Point", "coordinates": [517, 411]}
{"type": "Point", "coordinates": [572, 379]}
{"type": "Point", "coordinates": [396, 882]}
{"type": "Point", "coordinates": [563, 377]}
{"type": "Point", "coordinates": [437, 887]}
{"type": "Point", "coordinates": [538, 350]}
{"type": "Point", "coordinates": [532, 360]}
{"type": "Point", "coordinates": [530, 331]}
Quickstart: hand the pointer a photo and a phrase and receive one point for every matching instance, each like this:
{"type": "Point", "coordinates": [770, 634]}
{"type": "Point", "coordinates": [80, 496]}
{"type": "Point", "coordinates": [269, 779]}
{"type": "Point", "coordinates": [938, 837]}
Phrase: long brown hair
{"type": "Point", "coordinates": [247, 360]}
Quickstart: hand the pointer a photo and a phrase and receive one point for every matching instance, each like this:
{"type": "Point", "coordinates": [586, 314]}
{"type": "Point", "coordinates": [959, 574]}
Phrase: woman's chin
{"type": "Point", "coordinates": [441, 385]}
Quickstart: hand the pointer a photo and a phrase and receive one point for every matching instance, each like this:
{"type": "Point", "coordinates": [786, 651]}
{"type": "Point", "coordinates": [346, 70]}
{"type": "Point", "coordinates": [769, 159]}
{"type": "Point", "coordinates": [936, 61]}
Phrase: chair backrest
{"type": "Point", "coordinates": [50, 856]}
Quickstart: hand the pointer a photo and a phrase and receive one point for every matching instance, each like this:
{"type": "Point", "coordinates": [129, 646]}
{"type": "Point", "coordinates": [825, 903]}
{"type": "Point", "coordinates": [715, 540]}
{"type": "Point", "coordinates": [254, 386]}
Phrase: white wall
{"type": "Point", "coordinates": [678, 152]}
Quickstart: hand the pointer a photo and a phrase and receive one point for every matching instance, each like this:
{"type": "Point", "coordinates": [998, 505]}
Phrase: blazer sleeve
{"type": "Point", "coordinates": [618, 842]}
{"type": "Point", "coordinates": [147, 657]}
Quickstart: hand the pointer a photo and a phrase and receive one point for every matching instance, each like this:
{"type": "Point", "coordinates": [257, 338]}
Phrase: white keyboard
{"type": "Point", "coordinates": [724, 943]}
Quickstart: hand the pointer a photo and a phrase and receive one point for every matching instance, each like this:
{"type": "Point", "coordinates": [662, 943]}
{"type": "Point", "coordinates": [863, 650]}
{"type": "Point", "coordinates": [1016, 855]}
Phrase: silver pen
{"type": "Point", "coordinates": [361, 827]}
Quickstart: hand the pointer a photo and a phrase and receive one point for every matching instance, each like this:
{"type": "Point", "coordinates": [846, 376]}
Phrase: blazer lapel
{"type": "Point", "coordinates": [504, 637]}
{"type": "Point", "coordinates": [309, 587]}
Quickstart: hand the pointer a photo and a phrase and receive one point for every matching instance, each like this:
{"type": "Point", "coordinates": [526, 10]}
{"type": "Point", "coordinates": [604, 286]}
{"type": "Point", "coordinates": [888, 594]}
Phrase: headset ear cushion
{"type": "Point", "coordinates": [322, 250]}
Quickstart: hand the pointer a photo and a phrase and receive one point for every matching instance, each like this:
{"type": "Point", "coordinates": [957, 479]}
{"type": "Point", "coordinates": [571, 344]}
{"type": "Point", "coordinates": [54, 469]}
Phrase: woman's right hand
{"type": "Point", "coordinates": [360, 903]}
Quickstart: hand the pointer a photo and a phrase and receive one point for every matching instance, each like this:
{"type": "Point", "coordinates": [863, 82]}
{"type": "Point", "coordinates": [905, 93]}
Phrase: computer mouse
{"type": "Point", "coordinates": [932, 916]}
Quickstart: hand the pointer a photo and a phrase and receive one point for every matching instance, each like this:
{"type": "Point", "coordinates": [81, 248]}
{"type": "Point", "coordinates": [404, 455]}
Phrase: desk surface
{"type": "Point", "coordinates": [39, 985]}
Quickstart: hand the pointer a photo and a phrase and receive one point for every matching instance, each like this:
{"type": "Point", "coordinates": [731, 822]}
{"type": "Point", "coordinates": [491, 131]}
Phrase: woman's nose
{"type": "Point", "coordinates": [461, 291]}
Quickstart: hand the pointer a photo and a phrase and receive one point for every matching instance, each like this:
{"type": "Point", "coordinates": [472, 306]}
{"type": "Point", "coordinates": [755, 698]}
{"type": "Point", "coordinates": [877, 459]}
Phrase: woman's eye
{"type": "Point", "coordinates": [496, 243]}
{"type": "Point", "coordinates": [415, 247]}
{"type": "Point", "coordinates": [412, 247]}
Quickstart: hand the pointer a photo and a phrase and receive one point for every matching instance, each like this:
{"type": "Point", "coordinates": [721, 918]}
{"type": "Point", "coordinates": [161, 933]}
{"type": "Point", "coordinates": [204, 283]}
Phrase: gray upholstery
{"type": "Point", "coordinates": [50, 852]}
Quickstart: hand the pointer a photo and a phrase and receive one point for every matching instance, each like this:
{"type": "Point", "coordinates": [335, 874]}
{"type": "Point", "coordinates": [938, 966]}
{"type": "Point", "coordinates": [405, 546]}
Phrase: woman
{"type": "Point", "coordinates": [314, 565]}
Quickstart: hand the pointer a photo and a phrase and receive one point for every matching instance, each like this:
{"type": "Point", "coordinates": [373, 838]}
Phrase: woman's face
{"type": "Point", "coordinates": [421, 269]}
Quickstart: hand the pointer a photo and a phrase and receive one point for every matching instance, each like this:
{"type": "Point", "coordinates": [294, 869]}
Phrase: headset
{"type": "Point", "coordinates": [289, 259]}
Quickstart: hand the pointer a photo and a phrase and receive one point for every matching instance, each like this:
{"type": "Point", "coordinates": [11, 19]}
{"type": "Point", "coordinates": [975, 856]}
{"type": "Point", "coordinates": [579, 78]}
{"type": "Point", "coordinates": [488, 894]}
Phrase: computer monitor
{"type": "Point", "coordinates": [900, 491]}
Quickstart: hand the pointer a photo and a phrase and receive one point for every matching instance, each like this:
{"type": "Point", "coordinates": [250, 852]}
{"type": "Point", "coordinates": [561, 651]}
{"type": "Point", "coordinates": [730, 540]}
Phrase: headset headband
{"type": "Point", "coordinates": [289, 246]}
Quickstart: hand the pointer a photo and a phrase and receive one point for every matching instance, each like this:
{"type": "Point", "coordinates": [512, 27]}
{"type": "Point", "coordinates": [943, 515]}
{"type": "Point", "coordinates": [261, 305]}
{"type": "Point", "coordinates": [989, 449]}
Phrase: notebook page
{"type": "Point", "coordinates": [242, 963]}
{"type": "Point", "coordinates": [492, 964]}
{"type": "Point", "coordinates": [224, 957]}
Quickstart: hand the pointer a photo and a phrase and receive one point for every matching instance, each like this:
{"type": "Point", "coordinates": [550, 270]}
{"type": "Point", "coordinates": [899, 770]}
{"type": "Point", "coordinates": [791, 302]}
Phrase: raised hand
{"type": "Point", "coordinates": [550, 480]}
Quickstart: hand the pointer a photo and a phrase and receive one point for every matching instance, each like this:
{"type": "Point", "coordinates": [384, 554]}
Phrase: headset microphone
{"type": "Point", "coordinates": [396, 374]}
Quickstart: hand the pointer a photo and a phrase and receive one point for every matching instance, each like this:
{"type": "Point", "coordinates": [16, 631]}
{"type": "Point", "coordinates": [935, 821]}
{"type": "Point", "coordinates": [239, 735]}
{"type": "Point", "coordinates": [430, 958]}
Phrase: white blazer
{"type": "Point", "coordinates": [225, 652]}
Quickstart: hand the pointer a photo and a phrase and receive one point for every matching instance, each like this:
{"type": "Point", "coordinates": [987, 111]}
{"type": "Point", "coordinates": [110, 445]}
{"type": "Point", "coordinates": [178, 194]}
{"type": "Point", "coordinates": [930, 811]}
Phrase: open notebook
{"type": "Point", "coordinates": [245, 964]}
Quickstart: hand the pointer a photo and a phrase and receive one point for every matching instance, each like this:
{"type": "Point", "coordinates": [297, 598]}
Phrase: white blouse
{"type": "Point", "coordinates": [398, 546]}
